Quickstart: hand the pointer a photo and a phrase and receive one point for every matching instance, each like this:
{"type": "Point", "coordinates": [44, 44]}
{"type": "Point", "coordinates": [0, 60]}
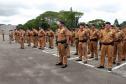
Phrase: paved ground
{"type": "Point", "coordinates": [33, 66]}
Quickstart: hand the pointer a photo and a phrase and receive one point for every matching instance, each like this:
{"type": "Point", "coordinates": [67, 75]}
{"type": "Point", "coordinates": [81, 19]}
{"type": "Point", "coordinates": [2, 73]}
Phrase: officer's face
{"type": "Point", "coordinates": [59, 25]}
{"type": "Point", "coordinates": [76, 29]}
{"type": "Point", "coordinates": [87, 26]}
{"type": "Point", "coordinates": [107, 26]}
{"type": "Point", "coordinates": [93, 27]}
{"type": "Point", "coordinates": [81, 27]}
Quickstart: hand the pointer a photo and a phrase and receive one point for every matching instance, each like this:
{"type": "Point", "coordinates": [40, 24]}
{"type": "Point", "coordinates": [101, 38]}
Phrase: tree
{"type": "Point", "coordinates": [116, 23]}
{"type": "Point", "coordinates": [49, 16]}
{"type": "Point", "coordinates": [41, 22]}
{"type": "Point", "coordinates": [123, 24]}
{"type": "Point", "coordinates": [70, 18]}
{"type": "Point", "coordinates": [53, 26]}
{"type": "Point", "coordinates": [30, 24]}
{"type": "Point", "coordinates": [19, 26]}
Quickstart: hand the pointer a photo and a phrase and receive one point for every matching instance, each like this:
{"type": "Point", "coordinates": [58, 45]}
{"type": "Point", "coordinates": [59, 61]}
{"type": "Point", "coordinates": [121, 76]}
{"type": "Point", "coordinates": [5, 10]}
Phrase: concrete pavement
{"type": "Point", "coordinates": [34, 66]}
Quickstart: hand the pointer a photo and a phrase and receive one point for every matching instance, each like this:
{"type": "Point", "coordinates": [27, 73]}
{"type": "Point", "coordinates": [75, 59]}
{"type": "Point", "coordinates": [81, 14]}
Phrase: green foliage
{"type": "Point", "coordinates": [30, 24]}
{"type": "Point", "coordinates": [70, 18]}
{"type": "Point", "coordinates": [53, 26]}
{"type": "Point", "coordinates": [19, 26]}
{"type": "Point", "coordinates": [51, 17]}
{"type": "Point", "coordinates": [116, 23]}
{"type": "Point", "coordinates": [123, 24]}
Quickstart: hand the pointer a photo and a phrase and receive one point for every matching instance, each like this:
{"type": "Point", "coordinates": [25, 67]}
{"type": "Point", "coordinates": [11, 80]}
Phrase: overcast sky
{"type": "Point", "coordinates": [20, 11]}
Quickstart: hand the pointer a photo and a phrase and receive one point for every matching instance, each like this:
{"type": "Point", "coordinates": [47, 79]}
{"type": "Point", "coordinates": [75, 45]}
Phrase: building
{"type": "Point", "coordinates": [5, 28]}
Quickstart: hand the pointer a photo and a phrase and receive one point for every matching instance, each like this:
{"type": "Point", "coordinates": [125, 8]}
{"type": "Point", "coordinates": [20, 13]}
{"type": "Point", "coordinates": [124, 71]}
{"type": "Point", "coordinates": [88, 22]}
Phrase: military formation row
{"type": "Point", "coordinates": [109, 40]}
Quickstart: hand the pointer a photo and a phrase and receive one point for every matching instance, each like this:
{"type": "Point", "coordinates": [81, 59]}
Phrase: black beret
{"type": "Point", "coordinates": [82, 24]}
{"type": "Point", "coordinates": [108, 23]}
{"type": "Point", "coordinates": [62, 22]}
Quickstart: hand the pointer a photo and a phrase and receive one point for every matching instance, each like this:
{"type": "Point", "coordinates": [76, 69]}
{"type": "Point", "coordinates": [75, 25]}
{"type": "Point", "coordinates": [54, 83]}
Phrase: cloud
{"type": "Point", "coordinates": [20, 11]}
{"type": "Point", "coordinates": [10, 9]}
{"type": "Point", "coordinates": [110, 8]}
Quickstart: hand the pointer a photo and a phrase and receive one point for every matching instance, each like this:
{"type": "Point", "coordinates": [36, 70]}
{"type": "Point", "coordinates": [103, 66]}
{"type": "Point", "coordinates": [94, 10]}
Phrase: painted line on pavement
{"type": "Point", "coordinates": [92, 66]}
{"type": "Point", "coordinates": [45, 51]}
{"type": "Point", "coordinates": [72, 58]}
{"type": "Point", "coordinates": [86, 64]}
{"type": "Point", "coordinates": [119, 66]}
{"type": "Point", "coordinates": [55, 55]}
{"type": "Point", "coordinates": [89, 65]}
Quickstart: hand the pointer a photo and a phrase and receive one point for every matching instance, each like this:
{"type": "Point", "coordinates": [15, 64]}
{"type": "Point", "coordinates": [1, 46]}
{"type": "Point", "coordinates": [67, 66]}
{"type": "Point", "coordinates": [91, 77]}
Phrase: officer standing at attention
{"type": "Point", "coordinates": [107, 39]}
{"type": "Point", "coordinates": [62, 41]}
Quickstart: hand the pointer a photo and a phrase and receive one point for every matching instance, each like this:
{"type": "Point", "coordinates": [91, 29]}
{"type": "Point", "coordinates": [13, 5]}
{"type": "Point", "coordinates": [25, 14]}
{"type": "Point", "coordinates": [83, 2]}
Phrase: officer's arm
{"type": "Point", "coordinates": [123, 35]}
{"type": "Point", "coordinates": [67, 36]}
{"type": "Point", "coordinates": [114, 35]}
{"type": "Point", "coordinates": [88, 34]}
{"type": "Point", "coordinates": [100, 35]}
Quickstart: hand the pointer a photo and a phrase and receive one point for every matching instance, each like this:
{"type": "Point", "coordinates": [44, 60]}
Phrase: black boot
{"type": "Point", "coordinates": [91, 57]}
{"type": "Point", "coordinates": [118, 64]}
{"type": "Point", "coordinates": [40, 48]}
{"type": "Point", "coordinates": [64, 66]}
{"type": "Point", "coordinates": [21, 48]}
{"type": "Point", "coordinates": [100, 67]}
{"type": "Point", "coordinates": [76, 54]}
{"type": "Point", "coordinates": [51, 48]}
{"type": "Point", "coordinates": [123, 59]}
{"type": "Point", "coordinates": [29, 45]}
{"type": "Point", "coordinates": [58, 64]}
{"type": "Point", "coordinates": [109, 69]}
{"type": "Point", "coordinates": [96, 58]}
{"type": "Point", "coordinates": [34, 47]}
{"type": "Point", "coordinates": [68, 56]}
{"type": "Point", "coordinates": [78, 60]}
{"type": "Point", "coordinates": [114, 62]}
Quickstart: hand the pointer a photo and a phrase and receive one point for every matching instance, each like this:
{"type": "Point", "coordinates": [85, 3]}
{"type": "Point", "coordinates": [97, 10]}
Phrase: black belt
{"type": "Point", "coordinates": [112, 43]}
{"type": "Point", "coordinates": [118, 41]}
{"type": "Point", "coordinates": [62, 42]}
{"type": "Point", "coordinates": [93, 39]}
{"type": "Point", "coordinates": [50, 36]}
{"type": "Point", "coordinates": [40, 36]}
{"type": "Point", "coordinates": [82, 40]}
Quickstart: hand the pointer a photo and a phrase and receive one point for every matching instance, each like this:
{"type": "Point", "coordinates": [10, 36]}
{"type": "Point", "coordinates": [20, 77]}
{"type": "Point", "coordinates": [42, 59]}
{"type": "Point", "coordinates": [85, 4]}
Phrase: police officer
{"type": "Point", "coordinates": [11, 36]}
{"type": "Point", "coordinates": [82, 46]}
{"type": "Point", "coordinates": [93, 37]}
{"type": "Point", "coordinates": [35, 38]}
{"type": "Point", "coordinates": [124, 46]}
{"type": "Point", "coordinates": [76, 40]}
{"type": "Point", "coordinates": [62, 41]}
{"type": "Point", "coordinates": [118, 46]}
{"type": "Point", "coordinates": [51, 38]}
{"type": "Point", "coordinates": [41, 38]}
{"type": "Point", "coordinates": [107, 39]}
{"type": "Point", "coordinates": [21, 38]}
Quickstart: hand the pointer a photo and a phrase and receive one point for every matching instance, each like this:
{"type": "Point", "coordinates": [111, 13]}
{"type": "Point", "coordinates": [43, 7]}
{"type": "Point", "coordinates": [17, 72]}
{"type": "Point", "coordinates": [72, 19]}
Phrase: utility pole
{"type": "Point", "coordinates": [3, 35]}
